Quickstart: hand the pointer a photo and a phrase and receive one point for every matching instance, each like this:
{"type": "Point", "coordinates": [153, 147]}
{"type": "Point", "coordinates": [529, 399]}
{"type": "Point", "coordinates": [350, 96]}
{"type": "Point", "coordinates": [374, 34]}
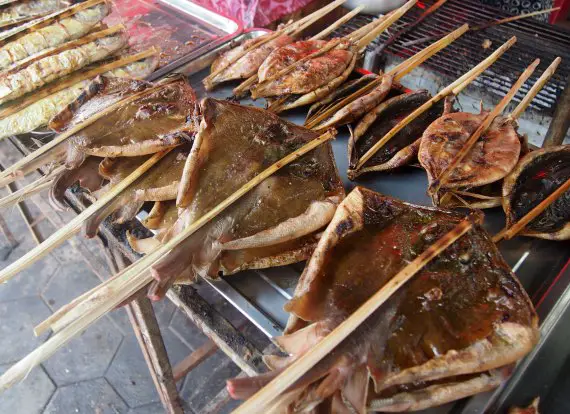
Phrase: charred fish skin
{"type": "Point", "coordinates": [56, 66]}
{"type": "Point", "coordinates": [537, 175]}
{"type": "Point", "coordinates": [40, 113]}
{"type": "Point", "coordinates": [54, 35]}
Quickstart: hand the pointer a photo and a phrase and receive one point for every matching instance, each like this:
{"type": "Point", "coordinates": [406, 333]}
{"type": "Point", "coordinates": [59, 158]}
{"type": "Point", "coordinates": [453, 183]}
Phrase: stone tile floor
{"type": "Point", "coordinates": [103, 370]}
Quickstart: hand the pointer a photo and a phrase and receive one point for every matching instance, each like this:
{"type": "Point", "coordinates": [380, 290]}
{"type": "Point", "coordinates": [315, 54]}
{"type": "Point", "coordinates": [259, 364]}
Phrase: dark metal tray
{"type": "Point", "coordinates": [541, 265]}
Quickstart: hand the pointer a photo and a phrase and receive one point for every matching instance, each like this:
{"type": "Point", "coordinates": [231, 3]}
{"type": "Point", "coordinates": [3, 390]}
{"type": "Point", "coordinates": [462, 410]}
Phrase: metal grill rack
{"type": "Point", "coordinates": [535, 39]}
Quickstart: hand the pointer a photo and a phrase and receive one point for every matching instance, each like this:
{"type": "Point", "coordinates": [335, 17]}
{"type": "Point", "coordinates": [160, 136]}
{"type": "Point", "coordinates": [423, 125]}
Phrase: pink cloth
{"type": "Point", "coordinates": [254, 13]}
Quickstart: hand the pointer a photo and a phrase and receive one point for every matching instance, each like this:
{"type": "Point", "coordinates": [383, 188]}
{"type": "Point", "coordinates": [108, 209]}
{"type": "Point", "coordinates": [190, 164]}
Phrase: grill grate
{"type": "Point", "coordinates": [535, 39]}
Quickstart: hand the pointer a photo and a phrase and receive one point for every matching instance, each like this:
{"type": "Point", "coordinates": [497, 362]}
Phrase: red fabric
{"type": "Point", "coordinates": [254, 13]}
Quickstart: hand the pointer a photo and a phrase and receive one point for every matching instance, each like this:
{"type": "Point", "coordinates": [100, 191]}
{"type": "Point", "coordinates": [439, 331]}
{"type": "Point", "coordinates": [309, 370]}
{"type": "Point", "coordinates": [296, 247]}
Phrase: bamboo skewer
{"type": "Point", "coordinates": [262, 399]}
{"type": "Point", "coordinates": [509, 233]}
{"type": "Point", "coordinates": [65, 46]}
{"type": "Point", "coordinates": [452, 89]}
{"type": "Point", "coordinates": [74, 226]}
{"type": "Point", "coordinates": [136, 276]}
{"type": "Point", "coordinates": [37, 186]}
{"type": "Point", "coordinates": [72, 80]}
{"type": "Point", "coordinates": [397, 73]}
{"type": "Point", "coordinates": [466, 148]}
{"type": "Point", "coordinates": [324, 33]}
{"type": "Point", "coordinates": [543, 80]}
{"type": "Point", "coordinates": [47, 20]}
{"type": "Point", "coordinates": [292, 29]}
{"type": "Point", "coordinates": [12, 172]}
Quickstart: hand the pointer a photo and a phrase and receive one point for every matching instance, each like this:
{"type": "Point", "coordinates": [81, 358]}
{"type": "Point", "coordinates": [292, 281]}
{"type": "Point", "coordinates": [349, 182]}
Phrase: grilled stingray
{"type": "Point", "coordinates": [277, 222]}
{"type": "Point", "coordinates": [163, 118]}
{"type": "Point", "coordinates": [493, 156]}
{"type": "Point", "coordinates": [452, 331]}
{"type": "Point", "coordinates": [41, 112]}
{"type": "Point", "coordinates": [248, 64]}
{"type": "Point", "coordinates": [47, 69]}
{"type": "Point", "coordinates": [536, 176]}
{"type": "Point", "coordinates": [403, 147]}
{"type": "Point", "coordinates": [63, 30]}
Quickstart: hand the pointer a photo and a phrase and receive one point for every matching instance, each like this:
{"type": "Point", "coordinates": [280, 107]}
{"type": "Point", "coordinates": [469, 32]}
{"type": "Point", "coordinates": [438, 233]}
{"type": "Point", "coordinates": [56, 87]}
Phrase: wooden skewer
{"type": "Point", "coordinates": [50, 89]}
{"type": "Point", "coordinates": [135, 277]}
{"type": "Point", "coordinates": [454, 88]}
{"type": "Point", "coordinates": [543, 80]}
{"type": "Point", "coordinates": [66, 46]}
{"type": "Point", "coordinates": [514, 18]}
{"type": "Point", "coordinates": [466, 148]}
{"type": "Point", "coordinates": [74, 225]}
{"type": "Point", "coordinates": [264, 397]}
{"type": "Point", "coordinates": [397, 73]}
{"type": "Point", "coordinates": [47, 20]}
{"type": "Point", "coordinates": [11, 173]}
{"type": "Point", "coordinates": [40, 184]}
{"type": "Point", "coordinates": [475, 195]}
{"type": "Point", "coordinates": [532, 214]}
{"type": "Point", "coordinates": [291, 29]}
{"type": "Point", "coordinates": [338, 23]}
{"type": "Point", "coordinates": [385, 24]}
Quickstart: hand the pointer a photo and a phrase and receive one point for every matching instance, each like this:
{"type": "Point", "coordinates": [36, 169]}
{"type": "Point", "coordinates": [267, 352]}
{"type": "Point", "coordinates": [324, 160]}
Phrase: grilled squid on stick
{"type": "Point", "coordinates": [423, 347]}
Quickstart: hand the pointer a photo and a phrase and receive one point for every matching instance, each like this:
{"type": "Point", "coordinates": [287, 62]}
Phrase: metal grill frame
{"type": "Point", "coordinates": [535, 39]}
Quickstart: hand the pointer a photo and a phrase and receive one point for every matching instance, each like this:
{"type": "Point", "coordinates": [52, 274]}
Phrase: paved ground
{"type": "Point", "coordinates": [103, 370]}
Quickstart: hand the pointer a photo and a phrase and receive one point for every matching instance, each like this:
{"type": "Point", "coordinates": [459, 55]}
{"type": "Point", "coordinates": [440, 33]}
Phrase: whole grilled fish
{"type": "Point", "coordinates": [56, 66]}
{"type": "Point", "coordinates": [53, 35]}
{"type": "Point", "coordinates": [40, 113]}
{"type": "Point", "coordinates": [25, 10]}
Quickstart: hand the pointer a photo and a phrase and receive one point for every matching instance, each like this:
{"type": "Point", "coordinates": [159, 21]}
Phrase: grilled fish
{"type": "Point", "coordinates": [41, 112]}
{"type": "Point", "coordinates": [45, 70]}
{"type": "Point", "coordinates": [70, 28]}
{"type": "Point", "coordinates": [28, 9]}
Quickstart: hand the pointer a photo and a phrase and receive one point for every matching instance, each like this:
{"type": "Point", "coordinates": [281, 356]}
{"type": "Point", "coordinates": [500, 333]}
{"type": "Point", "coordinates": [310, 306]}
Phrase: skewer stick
{"type": "Point", "coordinates": [532, 214]}
{"type": "Point", "coordinates": [264, 397]}
{"type": "Point", "coordinates": [410, 64]}
{"type": "Point", "coordinates": [398, 72]}
{"type": "Point", "coordinates": [338, 23]}
{"type": "Point", "coordinates": [11, 173]}
{"type": "Point", "coordinates": [292, 29]}
{"type": "Point", "coordinates": [66, 46]}
{"type": "Point", "coordinates": [40, 184]}
{"type": "Point", "coordinates": [543, 80]}
{"type": "Point", "coordinates": [74, 226]}
{"type": "Point", "coordinates": [50, 89]}
{"type": "Point", "coordinates": [47, 20]}
{"type": "Point", "coordinates": [387, 22]}
{"type": "Point", "coordinates": [466, 148]}
{"type": "Point", "coordinates": [453, 88]}
{"type": "Point", "coordinates": [136, 276]}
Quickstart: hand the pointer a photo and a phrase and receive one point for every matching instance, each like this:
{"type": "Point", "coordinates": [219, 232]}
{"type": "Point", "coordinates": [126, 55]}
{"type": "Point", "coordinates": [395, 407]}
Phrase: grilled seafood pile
{"type": "Point", "coordinates": [536, 176]}
{"type": "Point", "coordinates": [452, 331]}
